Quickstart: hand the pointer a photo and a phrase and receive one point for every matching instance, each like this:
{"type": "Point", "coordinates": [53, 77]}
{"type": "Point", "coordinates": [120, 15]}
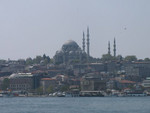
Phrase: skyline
{"type": "Point", "coordinates": [31, 28]}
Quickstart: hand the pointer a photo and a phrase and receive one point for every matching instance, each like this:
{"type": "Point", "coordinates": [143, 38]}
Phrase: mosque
{"type": "Point", "coordinates": [72, 53]}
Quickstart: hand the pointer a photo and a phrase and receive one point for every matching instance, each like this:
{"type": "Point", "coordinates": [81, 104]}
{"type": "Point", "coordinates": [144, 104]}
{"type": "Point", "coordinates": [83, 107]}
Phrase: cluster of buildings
{"type": "Point", "coordinates": [74, 71]}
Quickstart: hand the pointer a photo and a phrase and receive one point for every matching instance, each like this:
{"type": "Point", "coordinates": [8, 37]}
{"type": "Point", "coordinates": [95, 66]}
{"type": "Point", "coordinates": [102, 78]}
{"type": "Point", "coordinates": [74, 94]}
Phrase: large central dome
{"type": "Point", "coordinates": [70, 43]}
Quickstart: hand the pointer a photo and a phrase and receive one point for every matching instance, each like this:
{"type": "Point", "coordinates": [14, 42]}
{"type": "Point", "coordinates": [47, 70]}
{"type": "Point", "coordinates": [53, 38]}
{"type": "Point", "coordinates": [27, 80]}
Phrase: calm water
{"type": "Point", "coordinates": [75, 105]}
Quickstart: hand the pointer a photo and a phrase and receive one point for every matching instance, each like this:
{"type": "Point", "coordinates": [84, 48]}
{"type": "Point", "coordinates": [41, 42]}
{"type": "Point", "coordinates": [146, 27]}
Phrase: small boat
{"type": "Point", "coordinates": [1, 95]}
{"type": "Point", "coordinates": [136, 94]}
{"type": "Point", "coordinates": [91, 94]}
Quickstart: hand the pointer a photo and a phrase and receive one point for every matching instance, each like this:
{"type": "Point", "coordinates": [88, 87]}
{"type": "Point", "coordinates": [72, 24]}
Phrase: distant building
{"type": "Point", "coordinates": [139, 69]}
{"type": "Point", "coordinates": [92, 82]}
{"type": "Point", "coordinates": [81, 69]}
{"type": "Point", "coordinates": [122, 84]}
{"type": "Point", "coordinates": [47, 82]}
{"type": "Point", "coordinates": [146, 83]}
{"type": "Point", "coordinates": [71, 53]}
{"type": "Point", "coordinates": [21, 81]}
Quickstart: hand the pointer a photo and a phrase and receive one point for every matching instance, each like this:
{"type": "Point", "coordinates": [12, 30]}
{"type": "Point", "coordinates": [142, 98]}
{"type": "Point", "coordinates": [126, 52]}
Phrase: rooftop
{"type": "Point", "coordinates": [127, 82]}
{"type": "Point", "coordinates": [18, 75]}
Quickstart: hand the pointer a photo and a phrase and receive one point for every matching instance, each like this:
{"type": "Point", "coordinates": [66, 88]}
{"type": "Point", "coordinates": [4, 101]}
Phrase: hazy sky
{"type": "Point", "coordinates": [34, 27]}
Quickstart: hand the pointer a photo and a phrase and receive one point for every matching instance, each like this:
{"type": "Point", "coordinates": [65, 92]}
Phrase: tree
{"type": "Point", "coordinates": [130, 58]}
{"type": "Point", "coordinates": [29, 61]}
{"type": "Point", "coordinates": [107, 57]}
{"type": "Point", "coordinates": [51, 60]}
{"type": "Point", "coordinates": [39, 90]}
{"type": "Point", "coordinates": [37, 60]}
{"type": "Point", "coordinates": [5, 84]}
{"type": "Point", "coordinates": [147, 59]}
{"type": "Point", "coordinates": [47, 60]}
{"type": "Point", "coordinates": [50, 89]}
{"type": "Point", "coordinates": [2, 61]}
{"type": "Point", "coordinates": [44, 56]}
{"type": "Point", "coordinates": [119, 57]}
{"type": "Point", "coordinates": [64, 88]}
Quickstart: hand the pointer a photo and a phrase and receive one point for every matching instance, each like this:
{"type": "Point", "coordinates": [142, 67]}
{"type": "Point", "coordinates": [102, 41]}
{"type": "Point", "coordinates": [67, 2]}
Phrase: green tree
{"type": "Point", "coordinates": [119, 58]}
{"type": "Point", "coordinates": [44, 56]}
{"type": "Point", "coordinates": [38, 59]}
{"type": "Point", "coordinates": [48, 59]}
{"type": "Point", "coordinates": [130, 58]}
{"type": "Point", "coordinates": [147, 59]}
{"type": "Point", "coordinates": [107, 57]}
{"type": "Point", "coordinates": [64, 88]}
{"type": "Point", "coordinates": [29, 61]}
{"type": "Point", "coordinates": [50, 89]}
{"type": "Point", "coordinates": [2, 61]}
{"type": "Point", "coordinates": [39, 90]}
{"type": "Point", "coordinates": [51, 60]}
{"type": "Point", "coordinates": [5, 84]}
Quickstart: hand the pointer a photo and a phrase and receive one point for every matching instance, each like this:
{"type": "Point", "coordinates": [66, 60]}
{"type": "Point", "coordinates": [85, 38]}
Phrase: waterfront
{"type": "Point", "coordinates": [75, 105]}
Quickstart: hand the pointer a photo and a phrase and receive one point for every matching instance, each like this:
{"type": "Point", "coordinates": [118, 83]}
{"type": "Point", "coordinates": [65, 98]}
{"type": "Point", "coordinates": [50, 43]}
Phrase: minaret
{"type": "Point", "coordinates": [88, 44]}
{"type": "Point", "coordinates": [114, 47]}
{"type": "Point", "coordinates": [109, 47]}
{"type": "Point", "coordinates": [83, 42]}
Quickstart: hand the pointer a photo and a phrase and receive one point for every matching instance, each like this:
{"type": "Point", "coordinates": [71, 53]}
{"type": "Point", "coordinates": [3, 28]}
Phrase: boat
{"type": "Point", "coordinates": [1, 95]}
{"type": "Point", "coordinates": [136, 94]}
{"type": "Point", "coordinates": [91, 94]}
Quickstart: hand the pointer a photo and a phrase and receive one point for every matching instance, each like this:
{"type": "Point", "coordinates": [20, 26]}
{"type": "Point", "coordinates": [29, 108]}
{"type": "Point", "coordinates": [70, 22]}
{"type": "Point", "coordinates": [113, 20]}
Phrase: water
{"type": "Point", "coordinates": [75, 105]}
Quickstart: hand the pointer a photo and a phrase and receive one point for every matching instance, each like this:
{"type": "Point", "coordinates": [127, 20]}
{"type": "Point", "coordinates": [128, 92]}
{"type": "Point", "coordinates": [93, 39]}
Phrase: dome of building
{"type": "Point", "coordinates": [70, 43]}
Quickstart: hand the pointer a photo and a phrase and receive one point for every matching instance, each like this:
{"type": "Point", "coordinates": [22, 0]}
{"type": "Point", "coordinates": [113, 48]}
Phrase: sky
{"type": "Point", "coordinates": [35, 27]}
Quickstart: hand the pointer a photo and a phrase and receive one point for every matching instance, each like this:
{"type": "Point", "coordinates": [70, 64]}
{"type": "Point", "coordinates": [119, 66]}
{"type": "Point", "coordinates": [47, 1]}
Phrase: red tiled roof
{"type": "Point", "coordinates": [75, 80]}
{"type": "Point", "coordinates": [47, 79]}
{"type": "Point", "coordinates": [127, 82]}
